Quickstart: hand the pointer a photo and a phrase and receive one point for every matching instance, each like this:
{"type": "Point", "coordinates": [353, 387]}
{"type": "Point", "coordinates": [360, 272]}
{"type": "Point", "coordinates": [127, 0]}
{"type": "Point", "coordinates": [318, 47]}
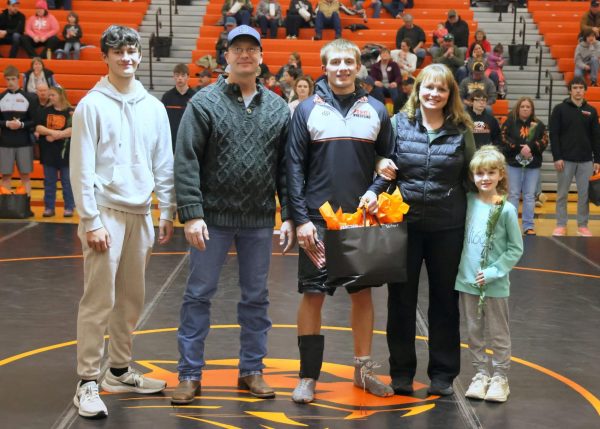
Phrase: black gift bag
{"type": "Point", "coordinates": [14, 206]}
{"type": "Point", "coordinates": [594, 190]}
{"type": "Point", "coordinates": [366, 256]}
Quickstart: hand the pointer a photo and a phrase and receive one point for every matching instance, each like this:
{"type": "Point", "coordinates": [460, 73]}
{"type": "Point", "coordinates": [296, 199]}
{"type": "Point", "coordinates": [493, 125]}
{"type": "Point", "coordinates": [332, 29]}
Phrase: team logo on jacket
{"type": "Point", "coordinates": [357, 113]}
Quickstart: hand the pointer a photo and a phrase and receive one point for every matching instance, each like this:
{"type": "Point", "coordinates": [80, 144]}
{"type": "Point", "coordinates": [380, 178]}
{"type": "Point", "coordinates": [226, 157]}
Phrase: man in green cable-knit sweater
{"type": "Point", "coordinates": [229, 162]}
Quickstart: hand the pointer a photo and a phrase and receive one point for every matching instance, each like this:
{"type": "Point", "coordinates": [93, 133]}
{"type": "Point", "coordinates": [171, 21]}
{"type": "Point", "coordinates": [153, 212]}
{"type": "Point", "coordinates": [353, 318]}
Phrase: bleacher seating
{"type": "Point", "coordinates": [77, 77]}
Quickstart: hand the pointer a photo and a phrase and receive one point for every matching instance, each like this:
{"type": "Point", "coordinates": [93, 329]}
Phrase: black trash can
{"type": "Point", "coordinates": [162, 47]}
{"type": "Point", "coordinates": [184, 2]}
{"type": "Point", "coordinates": [517, 54]}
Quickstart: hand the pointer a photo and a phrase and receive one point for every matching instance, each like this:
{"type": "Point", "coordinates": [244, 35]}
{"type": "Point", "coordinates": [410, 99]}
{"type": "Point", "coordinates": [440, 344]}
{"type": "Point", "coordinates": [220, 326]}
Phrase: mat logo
{"type": "Point", "coordinates": [338, 402]}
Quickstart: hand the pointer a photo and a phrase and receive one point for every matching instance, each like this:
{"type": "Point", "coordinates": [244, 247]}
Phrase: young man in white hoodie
{"type": "Point", "coordinates": [120, 153]}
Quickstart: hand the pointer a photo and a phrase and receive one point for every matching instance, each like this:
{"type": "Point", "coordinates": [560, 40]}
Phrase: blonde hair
{"type": "Point", "coordinates": [339, 45]}
{"type": "Point", "coordinates": [454, 111]}
{"type": "Point", "coordinates": [62, 97]}
{"type": "Point", "coordinates": [489, 157]}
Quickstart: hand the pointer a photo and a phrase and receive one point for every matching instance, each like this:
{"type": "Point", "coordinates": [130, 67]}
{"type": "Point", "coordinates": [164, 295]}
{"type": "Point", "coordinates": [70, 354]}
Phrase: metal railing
{"type": "Point", "coordinates": [549, 90]}
{"type": "Point", "coordinates": [539, 61]}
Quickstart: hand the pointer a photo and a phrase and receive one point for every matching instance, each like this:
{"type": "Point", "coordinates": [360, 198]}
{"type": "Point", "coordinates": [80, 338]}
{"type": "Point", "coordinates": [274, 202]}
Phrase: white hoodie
{"type": "Point", "coordinates": [120, 152]}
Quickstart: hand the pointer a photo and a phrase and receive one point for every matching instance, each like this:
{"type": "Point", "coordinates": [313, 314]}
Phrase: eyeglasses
{"type": "Point", "coordinates": [250, 51]}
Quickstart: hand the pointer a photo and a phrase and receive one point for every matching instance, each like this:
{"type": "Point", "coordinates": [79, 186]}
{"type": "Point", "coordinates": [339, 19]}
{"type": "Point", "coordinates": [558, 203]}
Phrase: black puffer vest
{"type": "Point", "coordinates": [431, 176]}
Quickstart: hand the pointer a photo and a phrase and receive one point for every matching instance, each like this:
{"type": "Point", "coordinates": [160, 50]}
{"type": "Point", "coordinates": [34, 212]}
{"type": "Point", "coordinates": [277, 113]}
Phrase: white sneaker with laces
{"type": "Point", "coordinates": [304, 391]}
{"type": "Point", "coordinates": [498, 390]}
{"type": "Point", "coordinates": [87, 399]}
{"type": "Point", "coordinates": [478, 387]}
{"type": "Point", "coordinates": [132, 381]}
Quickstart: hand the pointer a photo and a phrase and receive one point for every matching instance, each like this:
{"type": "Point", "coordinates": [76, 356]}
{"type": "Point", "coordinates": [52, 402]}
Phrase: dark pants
{"type": "Point", "coordinates": [293, 23]}
{"type": "Point", "coordinates": [441, 252]}
{"type": "Point", "coordinates": [332, 22]}
{"type": "Point", "coordinates": [242, 17]}
{"type": "Point", "coordinates": [15, 41]}
{"type": "Point", "coordinates": [268, 24]}
{"type": "Point", "coordinates": [29, 45]}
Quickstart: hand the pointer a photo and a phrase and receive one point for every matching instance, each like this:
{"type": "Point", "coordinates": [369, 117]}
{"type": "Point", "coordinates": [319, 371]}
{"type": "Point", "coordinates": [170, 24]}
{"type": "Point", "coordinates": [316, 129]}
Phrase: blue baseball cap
{"type": "Point", "coordinates": [243, 30]}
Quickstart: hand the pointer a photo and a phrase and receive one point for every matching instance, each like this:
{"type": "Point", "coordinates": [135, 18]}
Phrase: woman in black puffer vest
{"type": "Point", "coordinates": [434, 145]}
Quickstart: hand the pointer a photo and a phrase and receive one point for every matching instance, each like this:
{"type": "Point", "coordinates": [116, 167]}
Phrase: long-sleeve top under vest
{"type": "Point", "coordinates": [331, 156]}
{"type": "Point", "coordinates": [431, 174]}
{"type": "Point", "coordinates": [16, 105]}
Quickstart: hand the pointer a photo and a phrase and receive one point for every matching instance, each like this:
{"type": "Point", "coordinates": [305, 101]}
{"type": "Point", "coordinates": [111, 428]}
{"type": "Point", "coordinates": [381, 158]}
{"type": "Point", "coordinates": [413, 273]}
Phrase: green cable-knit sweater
{"type": "Point", "coordinates": [229, 158]}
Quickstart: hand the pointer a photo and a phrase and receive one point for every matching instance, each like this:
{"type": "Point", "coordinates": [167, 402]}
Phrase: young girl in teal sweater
{"type": "Point", "coordinates": [493, 245]}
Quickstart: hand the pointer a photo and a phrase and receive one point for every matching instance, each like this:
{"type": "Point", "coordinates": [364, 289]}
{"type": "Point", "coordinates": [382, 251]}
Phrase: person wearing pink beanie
{"type": "Point", "coordinates": [41, 30]}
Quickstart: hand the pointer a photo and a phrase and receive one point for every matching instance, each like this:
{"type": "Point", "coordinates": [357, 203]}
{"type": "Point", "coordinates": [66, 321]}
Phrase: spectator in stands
{"type": "Point", "coordinates": [405, 58]}
{"type": "Point", "coordinates": [387, 75]}
{"type": "Point", "coordinates": [328, 16]}
{"type": "Point", "coordinates": [368, 84]}
{"type": "Point", "coordinates": [376, 5]}
{"type": "Point", "coordinates": [72, 34]}
{"type": "Point", "coordinates": [268, 17]}
{"type": "Point", "coordinates": [300, 14]}
{"type": "Point", "coordinates": [437, 39]}
{"type": "Point", "coordinates": [459, 29]}
{"type": "Point", "coordinates": [176, 99]}
{"type": "Point", "coordinates": [241, 10]}
{"type": "Point", "coordinates": [478, 55]}
{"type": "Point", "coordinates": [286, 82]}
{"type": "Point", "coordinates": [221, 46]}
{"type": "Point", "coordinates": [396, 7]}
{"type": "Point", "coordinates": [407, 86]}
{"type": "Point", "coordinates": [478, 80]}
{"type": "Point", "coordinates": [120, 139]}
{"type": "Point", "coordinates": [41, 30]}
{"type": "Point", "coordinates": [480, 38]}
{"type": "Point", "coordinates": [495, 61]}
{"type": "Point", "coordinates": [66, 4]}
{"type": "Point", "coordinates": [415, 34]}
{"type": "Point", "coordinates": [486, 128]}
{"type": "Point", "coordinates": [450, 55]}
{"type": "Point", "coordinates": [272, 84]}
{"type": "Point", "coordinates": [524, 139]}
{"type": "Point", "coordinates": [295, 61]}
{"type": "Point", "coordinates": [575, 144]}
{"type": "Point", "coordinates": [590, 20]}
{"type": "Point", "coordinates": [38, 74]}
{"type": "Point", "coordinates": [16, 120]}
{"type": "Point", "coordinates": [12, 27]}
{"type": "Point", "coordinates": [204, 79]}
{"type": "Point", "coordinates": [587, 55]}
{"type": "Point", "coordinates": [54, 128]}
{"type": "Point", "coordinates": [303, 88]}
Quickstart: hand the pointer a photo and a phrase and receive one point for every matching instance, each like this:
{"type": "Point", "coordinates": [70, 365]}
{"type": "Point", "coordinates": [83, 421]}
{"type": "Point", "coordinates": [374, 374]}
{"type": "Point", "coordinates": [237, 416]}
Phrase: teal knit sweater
{"type": "Point", "coordinates": [229, 158]}
{"type": "Point", "coordinates": [507, 248]}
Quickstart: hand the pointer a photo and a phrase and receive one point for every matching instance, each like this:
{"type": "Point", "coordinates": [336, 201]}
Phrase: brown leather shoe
{"type": "Point", "coordinates": [256, 385]}
{"type": "Point", "coordinates": [185, 392]}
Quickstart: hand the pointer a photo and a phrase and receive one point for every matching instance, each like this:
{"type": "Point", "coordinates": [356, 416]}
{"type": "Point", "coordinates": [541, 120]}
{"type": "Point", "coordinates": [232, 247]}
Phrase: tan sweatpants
{"type": "Point", "coordinates": [113, 294]}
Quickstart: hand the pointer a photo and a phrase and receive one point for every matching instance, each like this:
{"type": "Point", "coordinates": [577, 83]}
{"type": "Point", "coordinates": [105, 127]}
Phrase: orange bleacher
{"type": "Point", "coordinates": [77, 77]}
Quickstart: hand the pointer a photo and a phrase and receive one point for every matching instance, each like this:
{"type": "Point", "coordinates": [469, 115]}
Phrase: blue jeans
{"type": "Point", "coordinates": [75, 46]}
{"type": "Point", "coordinates": [523, 180]}
{"type": "Point", "coordinates": [270, 25]}
{"type": "Point", "coordinates": [253, 247]}
{"type": "Point", "coordinates": [376, 5]}
{"type": "Point", "coordinates": [332, 22]}
{"type": "Point", "coordinates": [50, 179]}
{"type": "Point", "coordinates": [594, 66]}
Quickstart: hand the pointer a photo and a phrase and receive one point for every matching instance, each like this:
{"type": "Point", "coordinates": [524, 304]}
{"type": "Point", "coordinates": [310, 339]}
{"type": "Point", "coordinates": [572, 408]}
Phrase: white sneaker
{"type": "Point", "coordinates": [479, 386]}
{"type": "Point", "coordinates": [498, 390]}
{"type": "Point", "coordinates": [88, 401]}
{"type": "Point", "coordinates": [131, 381]}
{"type": "Point", "coordinates": [304, 391]}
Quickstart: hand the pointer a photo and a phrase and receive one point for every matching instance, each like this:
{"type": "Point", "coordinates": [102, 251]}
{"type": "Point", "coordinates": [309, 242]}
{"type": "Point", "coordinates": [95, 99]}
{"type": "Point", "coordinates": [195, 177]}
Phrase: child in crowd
{"type": "Point", "coordinates": [54, 129]}
{"type": "Point", "coordinates": [72, 34]}
{"type": "Point", "coordinates": [272, 84]}
{"type": "Point", "coordinates": [495, 62]}
{"type": "Point", "coordinates": [493, 245]}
